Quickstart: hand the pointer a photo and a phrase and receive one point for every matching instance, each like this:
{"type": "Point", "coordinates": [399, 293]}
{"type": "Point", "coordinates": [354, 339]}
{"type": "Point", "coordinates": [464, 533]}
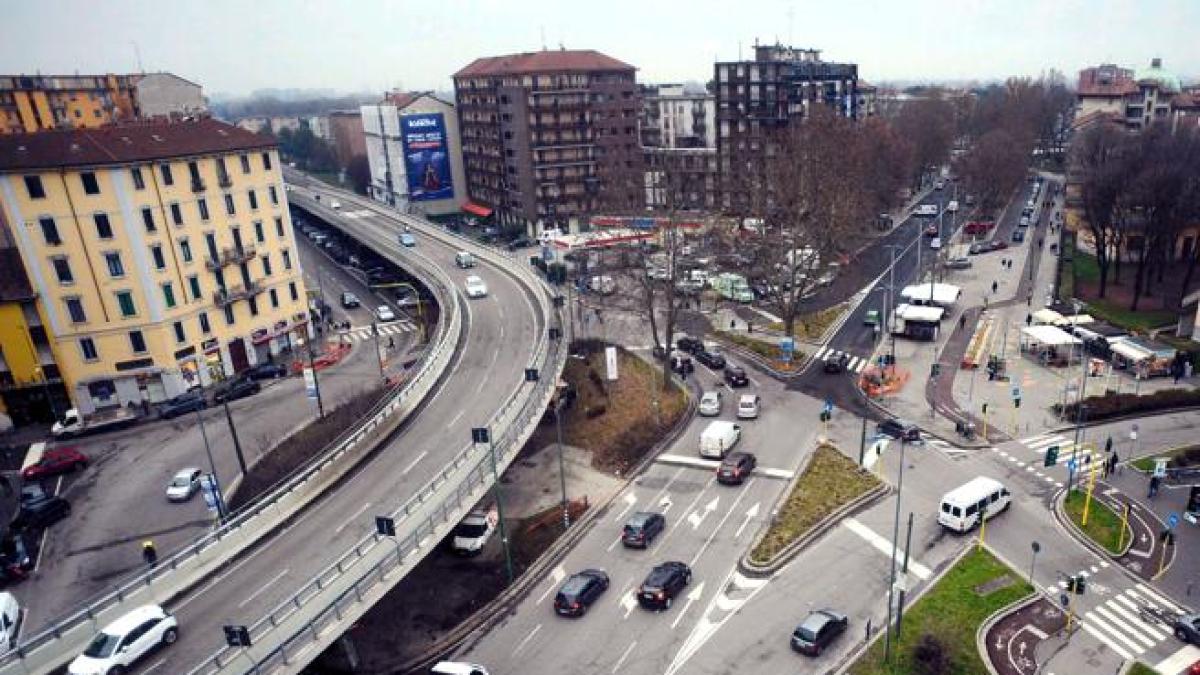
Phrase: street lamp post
{"type": "Point", "coordinates": [313, 369]}
{"type": "Point", "coordinates": [1079, 406]}
{"type": "Point", "coordinates": [887, 645]}
{"type": "Point", "coordinates": [562, 471]}
{"type": "Point", "coordinates": [237, 446]}
{"type": "Point", "coordinates": [212, 465]}
{"type": "Point", "coordinates": [1036, 548]}
{"type": "Point", "coordinates": [484, 435]}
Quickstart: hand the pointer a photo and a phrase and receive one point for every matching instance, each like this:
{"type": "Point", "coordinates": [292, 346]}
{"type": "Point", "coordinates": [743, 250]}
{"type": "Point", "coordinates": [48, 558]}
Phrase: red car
{"type": "Point", "coordinates": [54, 462]}
{"type": "Point", "coordinates": [978, 227]}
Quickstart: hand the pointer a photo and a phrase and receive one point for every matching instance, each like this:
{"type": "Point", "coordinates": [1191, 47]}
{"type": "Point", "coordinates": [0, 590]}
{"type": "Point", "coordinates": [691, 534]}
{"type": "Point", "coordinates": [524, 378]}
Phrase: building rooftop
{"type": "Point", "coordinates": [125, 143]}
{"type": "Point", "coordinates": [1106, 80]}
{"type": "Point", "coordinates": [543, 61]}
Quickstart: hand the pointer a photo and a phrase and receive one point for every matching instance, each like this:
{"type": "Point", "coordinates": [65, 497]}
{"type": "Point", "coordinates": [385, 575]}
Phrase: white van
{"type": "Point", "coordinates": [458, 668]}
{"type": "Point", "coordinates": [10, 619]}
{"type": "Point", "coordinates": [718, 438]}
{"type": "Point", "coordinates": [962, 506]}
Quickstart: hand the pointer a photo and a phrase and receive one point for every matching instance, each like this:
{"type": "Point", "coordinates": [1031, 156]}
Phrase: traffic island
{"type": "Point", "coordinates": [830, 487]}
{"type": "Point", "coordinates": [1138, 549]}
{"type": "Point", "coordinates": [768, 356]}
{"type": "Point", "coordinates": [1012, 636]}
{"type": "Point", "coordinates": [938, 634]}
{"type": "Point", "coordinates": [1103, 527]}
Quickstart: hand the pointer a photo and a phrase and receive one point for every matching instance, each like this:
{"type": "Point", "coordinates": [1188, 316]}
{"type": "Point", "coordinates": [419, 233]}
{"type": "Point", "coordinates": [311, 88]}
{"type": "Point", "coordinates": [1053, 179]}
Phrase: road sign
{"type": "Point", "coordinates": [1051, 456]}
{"type": "Point", "coordinates": [1072, 464]}
{"type": "Point", "coordinates": [787, 346]}
{"type": "Point", "coordinates": [1172, 520]}
{"type": "Point", "coordinates": [1016, 392]}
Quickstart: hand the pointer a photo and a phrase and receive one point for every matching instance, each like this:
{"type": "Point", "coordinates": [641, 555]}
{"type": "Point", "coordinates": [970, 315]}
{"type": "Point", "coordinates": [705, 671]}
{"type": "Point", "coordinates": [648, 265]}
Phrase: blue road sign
{"type": "Point", "coordinates": [1071, 464]}
{"type": "Point", "coordinates": [1172, 520]}
{"type": "Point", "coordinates": [828, 405]}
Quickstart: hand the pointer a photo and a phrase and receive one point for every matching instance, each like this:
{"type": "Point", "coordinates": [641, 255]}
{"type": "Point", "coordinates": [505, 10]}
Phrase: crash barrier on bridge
{"type": "Point", "coordinates": [62, 640]}
{"type": "Point", "coordinates": [297, 630]}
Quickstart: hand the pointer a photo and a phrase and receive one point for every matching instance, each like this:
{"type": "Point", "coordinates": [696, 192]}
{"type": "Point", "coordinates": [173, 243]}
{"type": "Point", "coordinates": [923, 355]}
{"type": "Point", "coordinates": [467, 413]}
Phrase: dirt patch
{"type": "Point", "coordinates": [289, 455]}
{"type": "Point", "coordinates": [995, 585]}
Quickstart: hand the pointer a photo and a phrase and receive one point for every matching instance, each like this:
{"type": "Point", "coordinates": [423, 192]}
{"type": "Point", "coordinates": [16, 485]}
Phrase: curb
{"type": "Point", "coordinates": [762, 364]}
{"type": "Point", "coordinates": [1061, 516]}
{"type": "Point", "coordinates": [996, 616]}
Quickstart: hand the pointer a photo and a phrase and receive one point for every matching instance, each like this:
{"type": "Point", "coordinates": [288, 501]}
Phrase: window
{"type": "Point", "coordinates": [279, 227]}
{"type": "Point", "coordinates": [229, 318]}
{"type": "Point", "coordinates": [252, 303]}
{"type": "Point", "coordinates": [204, 325]}
{"type": "Point", "coordinates": [210, 240]}
{"type": "Point", "coordinates": [168, 294]}
{"type": "Point", "coordinates": [148, 218]}
{"type": "Point", "coordinates": [33, 185]}
{"type": "Point", "coordinates": [103, 227]}
{"type": "Point", "coordinates": [245, 163]}
{"type": "Point", "coordinates": [274, 298]}
{"type": "Point", "coordinates": [229, 205]}
{"type": "Point", "coordinates": [266, 156]}
{"type": "Point", "coordinates": [88, 347]}
{"type": "Point", "coordinates": [137, 342]}
{"type": "Point", "coordinates": [176, 214]}
{"type": "Point", "coordinates": [90, 185]}
{"type": "Point", "coordinates": [125, 301]}
{"type": "Point", "coordinates": [258, 232]}
{"type": "Point", "coordinates": [194, 283]}
{"type": "Point", "coordinates": [160, 262]}
{"type": "Point", "coordinates": [292, 291]}
{"type": "Point", "coordinates": [62, 269]}
{"type": "Point", "coordinates": [166, 174]}
{"type": "Point", "coordinates": [185, 250]}
{"type": "Point", "coordinates": [75, 309]}
{"type": "Point", "coordinates": [194, 172]}
{"type": "Point", "coordinates": [139, 182]}
{"type": "Point", "coordinates": [287, 259]}
{"type": "Point", "coordinates": [49, 231]}
{"type": "Point", "coordinates": [274, 194]}
{"type": "Point", "coordinates": [266, 262]}
{"type": "Point", "coordinates": [222, 172]}
{"type": "Point", "coordinates": [253, 199]}
{"type": "Point", "coordinates": [116, 269]}
{"type": "Point", "coordinates": [180, 335]}
{"type": "Point", "coordinates": [202, 204]}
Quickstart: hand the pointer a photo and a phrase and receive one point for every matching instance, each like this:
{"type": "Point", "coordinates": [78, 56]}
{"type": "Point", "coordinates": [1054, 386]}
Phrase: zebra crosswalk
{"type": "Point", "coordinates": [1131, 622]}
{"type": "Point", "coordinates": [946, 447]}
{"type": "Point", "coordinates": [360, 333]}
{"type": "Point", "coordinates": [854, 365]}
{"type": "Point", "coordinates": [1067, 450]}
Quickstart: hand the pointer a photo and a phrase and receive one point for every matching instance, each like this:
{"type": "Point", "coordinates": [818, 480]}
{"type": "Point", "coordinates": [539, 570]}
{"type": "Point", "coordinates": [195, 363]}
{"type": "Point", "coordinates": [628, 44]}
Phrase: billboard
{"type": "Point", "coordinates": [426, 157]}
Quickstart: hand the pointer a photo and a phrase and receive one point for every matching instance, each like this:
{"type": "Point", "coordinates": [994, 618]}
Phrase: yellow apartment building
{"type": "Point", "coordinates": [30, 103]}
{"type": "Point", "coordinates": [161, 254]}
{"type": "Point", "coordinates": [30, 384]}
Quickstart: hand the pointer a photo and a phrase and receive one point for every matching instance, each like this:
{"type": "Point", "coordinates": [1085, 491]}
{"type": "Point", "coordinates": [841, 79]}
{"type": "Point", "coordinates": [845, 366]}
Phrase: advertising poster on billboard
{"type": "Point", "coordinates": [426, 157]}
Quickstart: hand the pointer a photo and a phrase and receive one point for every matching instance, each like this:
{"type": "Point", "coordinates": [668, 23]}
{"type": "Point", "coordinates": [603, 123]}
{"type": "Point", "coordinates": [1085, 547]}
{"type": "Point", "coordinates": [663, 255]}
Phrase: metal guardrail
{"type": "Point", "coordinates": [294, 631]}
{"type": "Point", "coordinates": [53, 646]}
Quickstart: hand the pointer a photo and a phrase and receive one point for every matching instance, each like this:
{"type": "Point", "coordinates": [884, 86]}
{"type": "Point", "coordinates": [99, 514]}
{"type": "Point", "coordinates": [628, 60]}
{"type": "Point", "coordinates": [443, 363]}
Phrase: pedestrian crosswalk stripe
{"type": "Point", "coordinates": [1111, 615]}
{"type": "Point", "coordinates": [1157, 599]}
{"type": "Point", "coordinates": [1129, 609]}
{"type": "Point", "coordinates": [1100, 623]}
{"type": "Point", "coordinates": [856, 364]}
{"type": "Point", "coordinates": [821, 351]}
{"type": "Point", "coordinates": [1096, 634]}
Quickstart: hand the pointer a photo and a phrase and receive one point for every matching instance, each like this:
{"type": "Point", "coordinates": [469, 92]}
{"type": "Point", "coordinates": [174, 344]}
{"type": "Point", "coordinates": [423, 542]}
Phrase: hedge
{"type": "Point", "coordinates": [1118, 405]}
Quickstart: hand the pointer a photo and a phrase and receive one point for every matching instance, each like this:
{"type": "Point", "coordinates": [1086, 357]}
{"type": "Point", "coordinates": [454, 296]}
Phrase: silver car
{"type": "Point", "coordinates": [185, 484]}
{"type": "Point", "coordinates": [710, 404]}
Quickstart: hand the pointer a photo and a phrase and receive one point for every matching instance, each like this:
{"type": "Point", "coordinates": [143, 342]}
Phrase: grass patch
{"type": "Point", "coordinates": [1140, 668]}
{"type": "Point", "coordinates": [1103, 525]}
{"type": "Point", "coordinates": [951, 613]}
{"type": "Point", "coordinates": [1187, 455]}
{"type": "Point", "coordinates": [767, 350]}
{"type": "Point", "coordinates": [830, 481]}
{"type": "Point", "coordinates": [1085, 269]}
{"type": "Point", "coordinates": [813, 326]}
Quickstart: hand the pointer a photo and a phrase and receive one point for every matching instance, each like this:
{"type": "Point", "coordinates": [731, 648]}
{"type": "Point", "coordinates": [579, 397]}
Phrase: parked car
{"type": "Point", "coordinates": [55, 462]}
{"type": "Point", "coordinates": [475, 287]}
{"type": "Point", "coordinates": [959, 263]}
{"type": "Point", "coordinates": [384, 313]}
{"type": "Point", "coordinates": [978, 227]}
{"type": "Point", "coordinates": [184, 484]}
{"type": "Point", "coordinates": [713, 360]}
{"type": "Point", "coordinates": [689, 344]}
{"type": "Point", "coordinates": [464, 260]}
{"type": "Point", "coordinates": [124, 641]}
{"type": "Point", "coordinates": [350, 300]}
{"type": "Point", "coordinates": [266, 371]}
{"type": "Point", "coordinates": [748, 406]}
{"type": "Point", "coordinates": [41, 513]}
{"type": "Point", "coordinates": [473, 532]}
{"type": "Point", "coordinates": [335, 204]}
{"type": "Point", "coordinates": [838, 363]}
{"type": "Point", "coordinates": [234, 389]}
{"type": "Point", "coordinates": [579, 591]}
{"type": "Point", "coordinates": [735, 376]}
{"type": "Point", "coordinates": [818, 630]}
{"type": "Point", "coordinates": [736, 467]}
{"type": "Point", "coordinates": [931, 230]}
{"type": "Point", "coordinates": [682, 363]}
{"type": "Point", "coordinates": [710, 404]}
{"type": "Point", "coordinates": [663, 584]}
{"type": "Point", "coordinates": [1187, 628]}
{"type": "Point", "coordinates": [186, 402]}
{"type": "Point", "coordinates": [1018, 236]}
{"type": "Point", "coordinates": [641, 529]}
{"type": "Point", "coordinates": [899, 429]}
{"type": "Point", "coordinates": [519, 243]}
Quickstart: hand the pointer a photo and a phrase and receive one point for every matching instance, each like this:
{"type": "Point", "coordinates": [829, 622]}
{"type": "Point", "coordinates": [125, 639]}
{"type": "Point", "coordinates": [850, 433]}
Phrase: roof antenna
{"type": "Point", "coordinates": [543, 30]}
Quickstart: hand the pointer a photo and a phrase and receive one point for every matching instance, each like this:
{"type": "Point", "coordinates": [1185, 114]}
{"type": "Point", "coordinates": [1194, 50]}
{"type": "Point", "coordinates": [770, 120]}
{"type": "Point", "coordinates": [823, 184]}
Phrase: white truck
{"type": "Point", "coordinates": [75, 424]}
{"type": "Point", "coordinates": [718, 438]}
{"type": "Point", "coordinates": [733, 287]}
{"type": "Point", "coordinates": [917, 321]}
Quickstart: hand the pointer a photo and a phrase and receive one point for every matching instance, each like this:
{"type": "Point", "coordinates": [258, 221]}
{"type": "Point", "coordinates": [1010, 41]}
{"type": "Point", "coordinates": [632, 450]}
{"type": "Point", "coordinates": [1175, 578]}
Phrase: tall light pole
{"type": "Point", "coordinates": [212, 465]}
{"type": "Point", "coordinates": [887, 645]}
{"type": "Point", "coordinates": [1079, 404]}
{"type": "Point", "coordinates": [484, 435]}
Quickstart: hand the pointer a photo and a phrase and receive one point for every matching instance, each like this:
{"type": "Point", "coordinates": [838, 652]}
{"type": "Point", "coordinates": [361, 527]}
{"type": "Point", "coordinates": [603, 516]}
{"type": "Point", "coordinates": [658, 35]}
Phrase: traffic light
{"type": "Point", "coordinates": [1080, 584]}
{"type": "Point", "coordinates": [1016, 403]}
{"type": "Point", "coordinates": [984, 408]}
{"type": "Point", "coordinates": [935, 369]}
{"type": "Point", "coordinates": [1051, 455]}
{"type": "Point", "coordinates": [1071, 584]}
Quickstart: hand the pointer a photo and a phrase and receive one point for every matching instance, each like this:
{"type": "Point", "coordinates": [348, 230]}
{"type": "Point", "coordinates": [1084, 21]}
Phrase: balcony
{"type": "Point", "coordinates": [230, 256]}
{"type": "Point", "coordinates": [231, 295]}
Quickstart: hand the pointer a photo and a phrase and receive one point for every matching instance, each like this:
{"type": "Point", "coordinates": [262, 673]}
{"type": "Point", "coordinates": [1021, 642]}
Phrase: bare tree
{"type": "Point", "coordinates": [1097, 157]}
{"type": "Point", "coordinates": [927, 123]}
{"type": "Point", "coordinates": [995, 166]}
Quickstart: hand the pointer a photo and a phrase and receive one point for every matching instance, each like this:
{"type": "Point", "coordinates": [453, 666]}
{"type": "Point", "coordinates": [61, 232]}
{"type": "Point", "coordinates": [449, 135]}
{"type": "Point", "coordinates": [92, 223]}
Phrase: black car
{"type": "Point", "coordinates": [689, 344]}
{"type": "Point", "coordinates": [837, 364]}
{"type": "Point", "coordinates": [184, 403]}
{"type": "Point", "coordinates": [1187, 628]}
{"type": "Point", "coordinates": [235, 389]}
{"type": "Point", "coordinates": [817, 630]}
{"type": "Point", "coordinates": [579, 591]}
{"type": "Point", "coordinates": [899, 429]}
{"type": "Point", "coordinates": [42, 513]}
{"type": "Point", "coordinates": [1018, 236]}
{"type": "Point", "coordinates": [519, 243]}
{"type": "Point", "coordinates": [266, 371]}
{"type": "Point", "coordinates": [735, 468]}
{"type": "Point", "coordinates": [711, 359]}
{"type": "Point", "coordinates": [664, 583]}
{"type": "Point", "coordinates": [641, 529]}
{"type": "Point", "coordinates": [682, 364]}
{"type": "Point", "coordinates": [735, 376]}
{"type": "Point", "coordinates": [350, 300]}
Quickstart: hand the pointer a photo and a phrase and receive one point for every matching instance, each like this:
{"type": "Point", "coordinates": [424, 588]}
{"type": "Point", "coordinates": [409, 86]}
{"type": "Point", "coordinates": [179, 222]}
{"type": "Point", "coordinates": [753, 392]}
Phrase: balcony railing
{"type": "Point", "coordinates": [230, 256]}
{"type": "Point", "coordinates": [231, 295]}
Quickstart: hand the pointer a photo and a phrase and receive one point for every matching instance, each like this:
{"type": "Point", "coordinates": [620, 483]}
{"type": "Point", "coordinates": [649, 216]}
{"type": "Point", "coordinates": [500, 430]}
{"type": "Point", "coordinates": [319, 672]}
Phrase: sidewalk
{"type": "Point", "coordinates": [1179, 578]}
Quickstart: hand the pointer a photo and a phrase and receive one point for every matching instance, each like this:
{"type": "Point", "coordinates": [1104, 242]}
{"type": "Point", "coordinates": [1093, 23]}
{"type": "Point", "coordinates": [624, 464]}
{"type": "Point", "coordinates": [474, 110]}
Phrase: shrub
{"type": "Point", "coordinates": [930, 656]}
{"type": "Point", "coordinates": [1116, 405]}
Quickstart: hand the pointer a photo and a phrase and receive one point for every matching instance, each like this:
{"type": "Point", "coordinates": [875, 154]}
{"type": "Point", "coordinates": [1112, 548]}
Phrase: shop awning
{"type": "Point", "coordinates": [476, 209]}
{"type": "Point", "coordinates": [1075, 320]}
{"type": "Point", "coordinates": [1046, 316]}
{"type": "Point", "coordinates": [1049, 336]}
{"type": "Point", "coordinates": [1130, 351]}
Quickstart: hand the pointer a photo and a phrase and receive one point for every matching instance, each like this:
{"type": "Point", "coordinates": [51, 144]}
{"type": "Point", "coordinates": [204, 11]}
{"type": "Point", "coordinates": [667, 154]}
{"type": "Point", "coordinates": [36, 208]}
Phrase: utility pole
{"type": "Point", "coordinates": [904, 574]}
{"type": "Point", "coordinates": [892, 303]}
{"type": "Point", "coordinates": [378, 353]}
{"type": "Point", "coordinates": [313, 369]}
{"type": "Point", "coordinates": [1079, 404]}
{"type": "Point", "coordinates": [212, 465]}
{"type": "Point", "coordinates": [237, 446]}
{"type": "Point", "coordinates": [562, 472]}
{"type": "Point", "coordinates": [887, 645]}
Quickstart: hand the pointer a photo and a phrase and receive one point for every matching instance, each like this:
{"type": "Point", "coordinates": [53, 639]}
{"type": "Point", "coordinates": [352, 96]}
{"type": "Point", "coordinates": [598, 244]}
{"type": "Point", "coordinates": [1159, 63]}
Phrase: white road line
{"type": "Point", "coordinates": [1124, 625]}
{"type": "Point", "coordinates": [349, 521]}
{"type": "Point", "coordinates": [821, 351]}
{"type": "Point", "coordinates": [250, 598]}
{"type": "Point", "coordinates": [855, 363]}
{"type": "Point", "coordinates": [721, 523]}
{"type": "Point", "coordinates": [527, 639]}
{"type": "Point", "coordinates": [413, 463]}
{"type": "Point", "coordinates": [624, 656]}
{"type": "Point", "coordinates": [884, 545]}
{"type": "Point", "coordinates": [1131, 615]}
{"type": "Point", "coordinates": [861, 366]}
{"type": "Point", "coordinates": [456, 418]}
{"type": "Point", "coordinates": [1181, 659]}
{"type": "Point", "coordinates": [1096, 621]}
{"type": "Point", "coordinates": [154, 666]}
{"type": "Point", "coordinates": [1096, 634]}
{"type": "Point", "coordinates": [556, 576]}
{"type": "Point", "coordinates": [1160, 600]}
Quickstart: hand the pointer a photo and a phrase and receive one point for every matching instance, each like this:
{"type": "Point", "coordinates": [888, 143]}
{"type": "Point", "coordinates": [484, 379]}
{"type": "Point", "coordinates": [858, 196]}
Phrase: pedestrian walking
{"type": "Point", "coordinates": [1154, 483]}
{"type": "Point", "coordinates": [732, 324]}
{"type": "Point", "coordinates": [391, 343]}
{"type": "Point", "coordinates": [1114, 465]}
{"type": "Point", "coordinates": [1108, 445]}
{"type": "Point", "coordinates": [149, 553]}
{"type": "Point", "coordinates": [867, 637]}
{"type": "Point", "coordinates": [1028, 319]}
{"type": "Point", "coordinates": [962, 321]}
{"type": "Point", "coordinates": [995, 285]}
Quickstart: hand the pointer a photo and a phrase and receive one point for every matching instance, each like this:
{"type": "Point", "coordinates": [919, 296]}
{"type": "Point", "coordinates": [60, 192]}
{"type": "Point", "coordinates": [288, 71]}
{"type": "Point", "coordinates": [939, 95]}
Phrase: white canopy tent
{"type": "Point", "coordinates": [1046, 316]}
{"type": "Point", "coordinates": [936, 294]}
{"type": "Point", "coordinates": [1050, 345]}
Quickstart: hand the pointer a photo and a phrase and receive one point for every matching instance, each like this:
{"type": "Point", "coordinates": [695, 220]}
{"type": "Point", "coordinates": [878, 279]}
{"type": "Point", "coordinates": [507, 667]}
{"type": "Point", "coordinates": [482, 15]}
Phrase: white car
{"type": "Point", "coordinates": [748, 406]}
{"type": "Point", "coordinates": [710, 404]}
{"type": "Point", "coordinates": [458, 668]}
{"type": "Point", "coordinates": [121, 643]}
{"type": "Point", "coordinates": [335, 204]}
{"type": "Point", "coordinates": [472, 534]}
{"type": "Point", "coordinates": [185, 484]}
{"type": "Point", "coordinates": [927, 210]}
{"type": "Point", "coordinates": [385, 313]}
{"type": "Point", "coordinates": [475, 287]}
{"type": "Point", "coordinates": [952, 206]}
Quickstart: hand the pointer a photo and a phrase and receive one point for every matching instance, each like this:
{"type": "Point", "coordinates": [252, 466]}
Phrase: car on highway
{"type": "Point", "coordinates": [464, 259]}
{"type": "Point", "coordinates": [710, 357]}
{"type": "Point", "coordinates": [384, 313]}
{"type": "Point", "coordinates": [235, 389]}
{"type": "Point", "coordinates": [978, 227]}
{"type": "Point", "coordinates": [748, 406]}
{"type": "Point", "coordinates": [641, 529]}
{"type": "Point", "coordinates": [475, 287]}
{"type": "Point", "coordinates": [710, 404]}
{"type": "Point", "coordinates": [663, 584]}
{"type": "Point", "coordinates": [871, 318]}
{"type": "Point", "coordinates": [42, 512]}
{"type": "Point", "coordinates": [1018, 236]}
{"type": "Point", "coordinates": [350, 300]}
{"type": "Point", "coordinates": [266, 371]}
{"type": "Point", "coordinates": [189, 401]}
{"type": "Point", "coordinates": [899, 429]}
{"type": "Point", "coordinates": [681, 363]}
{"type": "Point", "coordinates": [184, 484]}
{"type": "Point", "coordinates": [579, 591]}
{"type": "Point", "coordinates": [935, 243]}
{"type": "Point", "coordinates": [457, 668]}
{"type": "Point", "coordinates": [952, 206]}
{"type": "Point", "coordinates": [407, 240]}
{"type": "Point", "coordinates": [818, 630]}
{"type": "Point", "coordinates": [688, 344]}
{"type": "Point", "coordinates": [55, 462]}
{"type": "Point", "coordinates": [931, 230]}
{"type": "Point", "coordinates": [335, 204]}
{"type": "Point", "coordinates": [735, 376]}
{"type": "Point", "coordinates": [473, 531]}
{"type": "Point", "coordinates": [837, 364]}
{"type": "Point", "coordinates": [939, 185]}
{"type": "Point", "coordinates": [736, 467]}
{"type": "Point", "coordinates": [123, 642]}
{"type": "Point", "coordinates": [926, 210]}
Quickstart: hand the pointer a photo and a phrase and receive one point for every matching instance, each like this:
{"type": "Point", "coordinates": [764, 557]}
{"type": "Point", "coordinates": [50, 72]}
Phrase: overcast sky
{"type": "Point", "coordinates": [235, 46]}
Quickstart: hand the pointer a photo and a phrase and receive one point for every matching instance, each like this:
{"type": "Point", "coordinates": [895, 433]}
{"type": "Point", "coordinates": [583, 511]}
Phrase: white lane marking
{"type": "Point", "coordinates": [1103, 625]}
{"type": "Point", "coordinates": [1163, 602]}
{"type": "Point", "coordinates": [751, 514]}
{"type": "Point", "coordinates": [413, 464]}
{"type": "Point", "coordinates": [624, 656]}
{"type": "Point", "coordinates": [556, 576]}
{"type": "Point", "coordinates": [884, 545]}
{"type": "Point", "coordinates": [1181, 659]}
{"type": "Point", "coordinates": [262, 587]}
{"type": "Point", "coordinates": [721, 523]}
{"type": "Point", "coordinates": [154, 666]}
{"type": "Point", "coordinates": [527, 639]}
{"type": "Point", "coordinates": [695, 594]}
{"type": "Point", "coordinates": [350, 521]}
{"type": "Point", "coordinates": [629, 500]}
{"type": "Point", "coordinates": [1111, 615]}
{"type": "Point", "coordinates": [1096, 634]}
{"type": "Point", "coordinates": [628, 601]}
{"type": "Point", "coordinates": [456, 418]}
{"type": "Point", "coordinates": [697, 517]}
{"type": "Point", "coordinates": [821, 351]}
{"type": "Point", "coordinates": [1127, 609]}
